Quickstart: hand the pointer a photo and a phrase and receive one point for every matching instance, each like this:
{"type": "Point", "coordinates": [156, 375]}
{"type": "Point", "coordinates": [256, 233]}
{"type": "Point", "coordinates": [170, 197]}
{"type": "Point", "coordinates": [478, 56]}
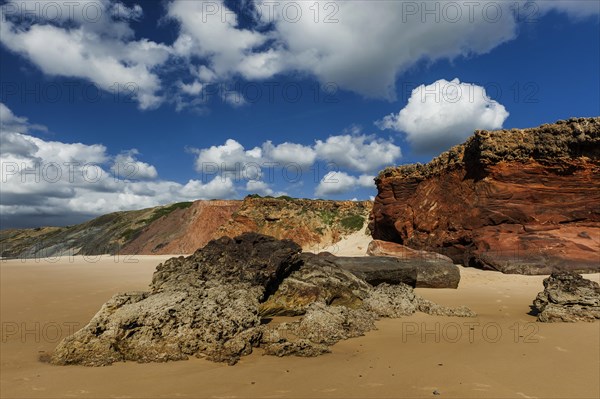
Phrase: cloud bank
{"type": "Point", "coordinates": [51, 182]}
{"type": "Point", "coordinates": [46, 182]}
{"type": "Point", "coordinates": [361, 46]}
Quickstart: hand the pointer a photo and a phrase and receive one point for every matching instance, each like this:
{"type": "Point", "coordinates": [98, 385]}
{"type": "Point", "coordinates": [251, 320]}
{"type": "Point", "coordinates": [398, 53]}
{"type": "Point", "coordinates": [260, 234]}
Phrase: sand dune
{"type": "Point", "coordinates": [354, 244]}
{"type": "Point", "coordinates": [504, 354]}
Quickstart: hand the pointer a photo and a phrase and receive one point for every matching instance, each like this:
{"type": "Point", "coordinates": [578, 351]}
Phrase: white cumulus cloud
{"type": "Point", "coordinates": [258, 187]}
{"type": "Point", "coordinates": [10, 122]}
{"type": "Point", "coordinates": [443, 114]}
{"type": "Point", "coordinates": [288, 153]}
{"type": "Point", "coordinates": [229, 157]}
{"type": "Point", "coordinates": [127, 166]}
{"type": "Point", "coordinates": [337, 182]}
{"type": "Point", "coordinates": [360, 46]}
{"type": "Point", "coordinates": [102, 51]}
{"type": "Point", "coordinates": [362, 153]}
{"type": "Point", "coordinates": [57, 183]}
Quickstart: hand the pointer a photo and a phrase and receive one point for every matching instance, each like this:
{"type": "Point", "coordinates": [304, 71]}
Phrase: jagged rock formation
{"type": "Point", "coordinates": [210, 305]}
{"type": "Point", "coordinates": [205, 305]}
{"type": "Point", "coordinates": [568, 297]}
{"type": "Point", "coordinates": [184, 227]}
{"type": "Point", "coordinates": [400, 300]}
{"type": "Point", "coordinates": [518, 201]}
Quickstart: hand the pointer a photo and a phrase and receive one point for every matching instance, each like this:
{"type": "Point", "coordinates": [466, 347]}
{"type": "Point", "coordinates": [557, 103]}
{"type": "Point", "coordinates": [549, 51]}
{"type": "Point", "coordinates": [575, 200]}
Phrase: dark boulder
{"type": "Point", "coordinates": [251, 258]}
{"type": "Point", "coordinates": [437, 274]}
{"type": "Point", "coordinates": [376, 270]}
{"type": "Point", "coordinates": [419, 273]}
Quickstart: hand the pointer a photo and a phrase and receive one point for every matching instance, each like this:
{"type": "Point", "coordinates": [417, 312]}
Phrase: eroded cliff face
{"type": "Point", "coordinates": [184, 230]}
{"type": "Point", "coordinates": [313, 224]}
{"type": "Point", "coordinates": [518, 201]}
{"type": "Point", "coordinates": [184, 227]}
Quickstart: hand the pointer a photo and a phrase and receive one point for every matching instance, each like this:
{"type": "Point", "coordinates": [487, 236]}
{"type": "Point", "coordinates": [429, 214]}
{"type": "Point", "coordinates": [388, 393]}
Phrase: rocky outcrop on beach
{"type": "Point", "coordinates": [568, 297]}
{"type": "Point", "coordinates": [204, 305]}
{"type": "Point", "coordinates": [214, 303]}
{"type": "Point", "coordinates": [517, 201]}
{"type": "Point", "coordinates": [183, 227]}
{"type": "Point", "coordinates": [347, 281]}
{"type": "Point", "coordinates": [430, 269]}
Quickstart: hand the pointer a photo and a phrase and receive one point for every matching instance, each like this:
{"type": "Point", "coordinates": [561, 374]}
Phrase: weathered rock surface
{"type": "Point", "coordinates": [251, 258]}
{"type": "Point", "coordinates": [437, 274]}
{"type": "Point", "coordinates": [211, 303]}
{"type": "Point", "coordinates": [205, 305]}
{"type": "Point", "coordinates": [518, 201]}
{"type": "Point", "coordinates": [394, 301]}
{"type": "Point", "coordinates": [300, 347]}
{"type": "Point", "coordinates": [326, 325]}
{"type": "Point", "coordinates": [568, 297]}
{"type": "Point", "coordinates": [395, 250]}
{"type": "Point", "coordinates": [376, 270]}
{"type": "Point", "coordinates": [319, 279]}
{"type": "Point", "coordinates": [420, 273]}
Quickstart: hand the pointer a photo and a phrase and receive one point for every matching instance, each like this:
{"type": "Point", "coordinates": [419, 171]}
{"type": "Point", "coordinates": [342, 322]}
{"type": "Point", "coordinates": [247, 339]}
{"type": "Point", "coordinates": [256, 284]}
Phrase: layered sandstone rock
{"type": "Point", "coordinates": [182, 231]}
{"type": "Point", "coordinates": [395, 250]}
{"type": "Point", "coordinates": [518, 201]}
{"type": "Point", "coordinates": [314, 224]}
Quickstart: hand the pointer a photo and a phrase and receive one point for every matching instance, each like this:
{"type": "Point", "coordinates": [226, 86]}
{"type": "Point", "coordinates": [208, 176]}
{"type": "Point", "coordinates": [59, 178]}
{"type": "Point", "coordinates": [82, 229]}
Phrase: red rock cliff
{"type": "Point", "coordinates": [518, 201]}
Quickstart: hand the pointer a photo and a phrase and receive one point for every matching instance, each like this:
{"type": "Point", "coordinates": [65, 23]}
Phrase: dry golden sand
{"type": "Point", "coordinates": [355, 244]}
{"type": "Point", "coordinates": [408, 357]}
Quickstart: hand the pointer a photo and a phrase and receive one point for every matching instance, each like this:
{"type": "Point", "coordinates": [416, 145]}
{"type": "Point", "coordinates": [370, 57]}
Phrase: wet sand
{"type": "Point", "coordinates": [503, 353]}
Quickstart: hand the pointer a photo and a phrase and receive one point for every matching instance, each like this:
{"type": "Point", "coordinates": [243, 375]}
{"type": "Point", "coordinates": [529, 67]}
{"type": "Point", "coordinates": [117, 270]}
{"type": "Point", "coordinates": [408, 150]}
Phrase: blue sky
{"type": "Point", "coordinates": [180, 100]}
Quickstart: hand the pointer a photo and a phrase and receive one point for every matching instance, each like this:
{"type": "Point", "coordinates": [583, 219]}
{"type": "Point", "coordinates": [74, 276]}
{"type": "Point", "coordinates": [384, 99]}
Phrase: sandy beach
{"type": "Point", "coordinates": [503, 353]}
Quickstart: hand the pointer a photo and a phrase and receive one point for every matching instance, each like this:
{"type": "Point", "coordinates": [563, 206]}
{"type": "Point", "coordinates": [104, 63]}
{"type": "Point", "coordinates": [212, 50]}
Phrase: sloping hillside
{"type": "Point", "coordinates": [184, 227]}
{"type": "Point", "coordinates": [313, 224]}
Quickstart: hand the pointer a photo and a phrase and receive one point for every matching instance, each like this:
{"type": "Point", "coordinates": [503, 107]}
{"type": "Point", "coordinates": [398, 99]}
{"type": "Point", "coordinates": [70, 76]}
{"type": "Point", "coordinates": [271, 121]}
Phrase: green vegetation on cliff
{"type": "Point", "coordinates": [304, 221]}
{"type": "Point", "coordinates": [576, 137]}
